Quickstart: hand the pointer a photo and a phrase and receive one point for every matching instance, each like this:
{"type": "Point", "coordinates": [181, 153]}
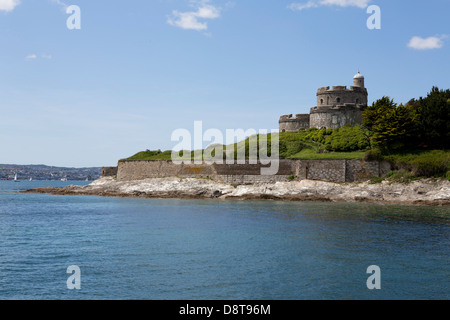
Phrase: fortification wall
{"type": "Point", "coordinates": [357, 170]}
{"type": "Point", "coordinates": [336, 107]}
{"type": "Point", "coordinates": [335, 117]}
{"type": "Point", "coordinates": [288, 123]}
{"type": "Point", "coordinates": [109, 171]}
{"type": "Point", "coordinates": [339, 95]}
{"type": "Point", "coordinates": [325, 170]}
{"type": "Point", "coordinates": [139, 170]}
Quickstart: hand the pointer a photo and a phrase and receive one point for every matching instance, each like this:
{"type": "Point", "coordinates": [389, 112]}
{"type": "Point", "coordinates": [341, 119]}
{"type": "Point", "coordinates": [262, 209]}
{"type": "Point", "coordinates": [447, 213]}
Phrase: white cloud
{"type": "Point", "coordinates": [31, 57]}
{"type": "Point", "coordinates": [429, 43]}
{"type": "Point", "coordinates": [190, 20]}
{"type": "Point", "coordinates": [34, 56]}
{"type": "Point", "coordinates": [8, 5]}
{"type": "Point", "coordinates": [301, 6]}
{"type": "Point", "coordinates": [63, 5]}
{"type": "Point", "coordinates": [339, 3]}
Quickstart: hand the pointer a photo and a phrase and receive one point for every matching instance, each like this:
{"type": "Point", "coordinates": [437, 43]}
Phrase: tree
{"type": "Point", "coordinates": [393, 127]}
{"type": "Point", "coordinates": [434, 114]}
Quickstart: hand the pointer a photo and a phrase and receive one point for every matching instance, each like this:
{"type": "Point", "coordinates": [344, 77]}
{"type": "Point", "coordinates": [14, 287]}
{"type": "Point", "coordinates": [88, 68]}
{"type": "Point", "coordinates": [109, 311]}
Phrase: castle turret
{"type": "Point", "coordinates": [358, 80]}
{"type": "Point", "coordinates": [289, 123]}
{"type": "Point", "coordinates": [336, 107]}
{"type": "Point", "coordinates": [340, 106]}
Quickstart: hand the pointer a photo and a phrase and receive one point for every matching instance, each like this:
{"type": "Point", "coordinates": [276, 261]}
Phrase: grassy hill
{"type": "Point", "coordinates": [345, 143]}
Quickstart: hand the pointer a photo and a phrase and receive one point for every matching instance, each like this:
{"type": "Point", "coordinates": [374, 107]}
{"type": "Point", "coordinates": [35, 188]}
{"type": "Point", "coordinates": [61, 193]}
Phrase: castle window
{"type": "Point", "coordinates": [357, 101]}
{"type": "Point", "coordinates": [321, 101]}
{"type": "Point", "coordinates": [338, 100]}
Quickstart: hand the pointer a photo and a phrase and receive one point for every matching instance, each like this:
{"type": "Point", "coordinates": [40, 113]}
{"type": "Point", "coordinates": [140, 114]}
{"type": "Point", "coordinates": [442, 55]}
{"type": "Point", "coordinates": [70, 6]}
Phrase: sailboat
{"type": "Point", "coordinates": [15, 178]}
{"type": "Point", "coordinates": [64, 179]}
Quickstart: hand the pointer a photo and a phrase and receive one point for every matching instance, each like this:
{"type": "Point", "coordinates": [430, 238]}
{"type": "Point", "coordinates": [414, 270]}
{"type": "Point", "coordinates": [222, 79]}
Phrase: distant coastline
{"type": "Point", "coordinates": [49, 173]}
{"type": "Point", "coordinates": [430, 192]}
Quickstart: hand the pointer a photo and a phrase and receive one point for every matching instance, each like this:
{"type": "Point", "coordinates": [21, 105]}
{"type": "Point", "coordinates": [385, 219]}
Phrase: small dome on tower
{"type": "Point", "coordinates": [358, 76]}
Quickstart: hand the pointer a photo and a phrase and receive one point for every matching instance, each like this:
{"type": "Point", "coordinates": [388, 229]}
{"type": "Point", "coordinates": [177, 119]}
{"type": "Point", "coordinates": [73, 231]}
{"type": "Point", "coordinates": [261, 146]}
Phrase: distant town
{"type": "Point", "coordinates": [43, 172]}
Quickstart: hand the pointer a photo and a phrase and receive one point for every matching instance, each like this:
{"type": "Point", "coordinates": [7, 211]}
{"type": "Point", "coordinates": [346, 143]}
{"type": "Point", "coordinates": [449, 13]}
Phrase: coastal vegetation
{"type": "Point", "coordinates": [344, 143]}
{"type": "Point", "coordinates": [420, 124]}
{"type": "Point", "coordinates": [414, 138]}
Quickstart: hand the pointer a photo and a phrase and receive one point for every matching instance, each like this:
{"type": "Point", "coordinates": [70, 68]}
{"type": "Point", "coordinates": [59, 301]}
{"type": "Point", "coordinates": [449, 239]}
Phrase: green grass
{"type": "Point", "coordinates": [417, 164]}
{"type": "Point", "coordinates": [309, 144]}
{"type": "Point", "coordinates": [422, 163]}
{"type": "Point", "coordinates": [305, 154]}
{"type": "Point", "coordinates": [314, 144]}
{"type": "Point", "coordinates": [150, 156]}
{"type": "Point", "coordinates": [308, 154]}
{"type": "Point", "coordinates": [155, 156]}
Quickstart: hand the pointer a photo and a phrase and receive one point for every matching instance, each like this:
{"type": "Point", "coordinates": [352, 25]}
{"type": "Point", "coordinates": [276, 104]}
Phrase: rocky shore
{"type": "Point", "coordinates": [422, 192]}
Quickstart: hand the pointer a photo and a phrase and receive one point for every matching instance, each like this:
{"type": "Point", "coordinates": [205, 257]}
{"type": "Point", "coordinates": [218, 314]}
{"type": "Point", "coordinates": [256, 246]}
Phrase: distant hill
{"type": "Point", "coordinates": [43, 172]}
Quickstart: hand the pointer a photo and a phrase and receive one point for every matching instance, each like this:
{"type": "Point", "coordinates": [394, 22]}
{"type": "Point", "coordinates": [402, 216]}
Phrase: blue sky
{"type": "Point", "coordinates": [137, 70]}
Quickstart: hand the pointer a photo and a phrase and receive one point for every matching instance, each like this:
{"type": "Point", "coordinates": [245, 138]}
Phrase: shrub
{"type": "Point", "coordinates": [391, 173]}
{"type": "Point", "coordinates": [373, 155]}
{"type": "Point", "coordinates": [376, 180]}
{"type": "Point", "coordinates": [294, 147]}
{"type": "Point", "coordinates": [422, 164]}
{"type": "Point", "coordinates": [401, 176]}
{"type": "Point", "coordinates": [428, 168]}
{"type": "Point", "coordinates": [347, 139]}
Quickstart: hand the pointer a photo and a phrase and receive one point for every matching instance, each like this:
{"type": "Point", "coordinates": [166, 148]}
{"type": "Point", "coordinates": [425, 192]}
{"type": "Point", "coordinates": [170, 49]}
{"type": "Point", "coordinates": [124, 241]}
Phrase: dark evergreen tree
{"type": "Point", "coordinates": [434, 118]}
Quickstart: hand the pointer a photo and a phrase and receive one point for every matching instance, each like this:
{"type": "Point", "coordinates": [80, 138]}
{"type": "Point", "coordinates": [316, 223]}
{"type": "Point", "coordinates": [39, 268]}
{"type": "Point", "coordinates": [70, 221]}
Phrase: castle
{"type": "Point", "coordinates": [335, 108]}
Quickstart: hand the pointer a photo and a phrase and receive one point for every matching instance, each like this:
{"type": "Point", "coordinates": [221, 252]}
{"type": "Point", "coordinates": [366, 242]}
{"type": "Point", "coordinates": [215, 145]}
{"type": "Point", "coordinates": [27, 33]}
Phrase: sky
{"type": "Point", "coordinates": [89, 87]}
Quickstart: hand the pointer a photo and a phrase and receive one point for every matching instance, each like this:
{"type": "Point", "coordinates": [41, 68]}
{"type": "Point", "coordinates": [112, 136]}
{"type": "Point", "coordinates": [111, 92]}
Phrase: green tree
{"type": "Point", "coordinates": [393, 126]}
{"type": "Point", "coordinates": [434, 118]}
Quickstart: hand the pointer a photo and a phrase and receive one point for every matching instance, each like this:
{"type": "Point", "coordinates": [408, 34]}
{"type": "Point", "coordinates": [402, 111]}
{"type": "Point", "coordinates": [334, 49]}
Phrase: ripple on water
{"type": "Point", "coordinates": [214, 249]}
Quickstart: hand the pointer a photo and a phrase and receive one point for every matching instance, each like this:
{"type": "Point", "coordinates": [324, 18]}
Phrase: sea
{"type": "Point", "coordinates": [97, 248]}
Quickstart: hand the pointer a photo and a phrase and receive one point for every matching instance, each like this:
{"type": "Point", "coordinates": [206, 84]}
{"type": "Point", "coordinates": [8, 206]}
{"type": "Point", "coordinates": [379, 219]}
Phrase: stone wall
{"type": "Point", "coordinates": [288, 123]}
{"type": "Point", "coordinates": [329, 97]}
{"type": "Point", "coordinates": [357, 170]}
{"type": "Point", "coordinates": [109, 171]}
{"type": "Point", "coordinates": [335, 117]}
{"type": "Point", "coordinates": [325, 170]}
{"type": "Point", "coordinates": [139, 170]}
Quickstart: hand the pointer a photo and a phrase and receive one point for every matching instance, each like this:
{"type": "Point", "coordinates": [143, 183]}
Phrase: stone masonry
{"type": "Point", "coordinates": [336, 107]}
{"type": "Point", "coordinates": [324, 170]}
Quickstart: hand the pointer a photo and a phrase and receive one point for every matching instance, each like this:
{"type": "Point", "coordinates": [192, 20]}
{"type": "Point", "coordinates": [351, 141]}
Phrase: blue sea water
{"type": "Point", "coordinates": [159, 249]}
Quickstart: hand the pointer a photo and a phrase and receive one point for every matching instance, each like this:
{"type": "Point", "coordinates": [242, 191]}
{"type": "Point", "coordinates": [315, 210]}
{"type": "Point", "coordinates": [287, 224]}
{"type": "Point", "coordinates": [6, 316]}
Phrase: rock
{"type": "Point", "coordinates": [426, 192]}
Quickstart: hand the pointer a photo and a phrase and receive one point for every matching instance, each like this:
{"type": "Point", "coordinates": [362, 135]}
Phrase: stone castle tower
{"type": "Point", "coordinates": [336, 107]}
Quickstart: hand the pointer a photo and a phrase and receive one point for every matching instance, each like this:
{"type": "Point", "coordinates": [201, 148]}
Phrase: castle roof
{"type": "Point", "coordinates": [358, 76]}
